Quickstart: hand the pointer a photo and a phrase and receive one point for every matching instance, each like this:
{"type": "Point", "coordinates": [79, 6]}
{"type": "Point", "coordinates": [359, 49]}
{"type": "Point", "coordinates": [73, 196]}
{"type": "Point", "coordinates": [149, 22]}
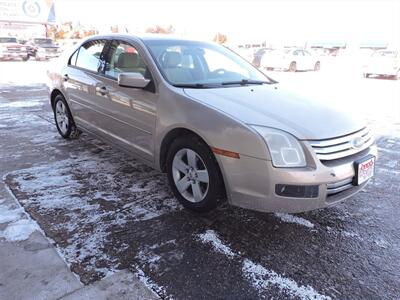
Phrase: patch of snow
{"type": "Point", "coordinates": [157, 290]}
{"type": "Point", "coordinates": [22, 103]}
{"type": "Point", "coordinates": [382, 243]}
{"type": "Point", "coordinates": [262, 278]}
{"type": "Point", "coordinates": [211, 237]}
{"type": "Point", "coordinates": [19, 230]}
{"type": "Point", "coordinates": [294, 219]}
{"type": "Point", "coordinates": [350, 234]}
{"type": "Point", "coordinates": [9, 215]}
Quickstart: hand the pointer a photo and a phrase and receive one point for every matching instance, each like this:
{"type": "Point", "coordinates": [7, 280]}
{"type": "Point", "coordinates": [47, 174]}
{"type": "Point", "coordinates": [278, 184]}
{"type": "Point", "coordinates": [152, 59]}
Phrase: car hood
{"type": "Point", "coordinates": [273, 106]}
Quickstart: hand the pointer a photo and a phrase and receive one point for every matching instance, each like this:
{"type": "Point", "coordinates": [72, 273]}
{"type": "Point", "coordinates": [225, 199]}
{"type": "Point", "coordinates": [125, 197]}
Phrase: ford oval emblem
{"type": "Point", "coordinates": [357, 142]}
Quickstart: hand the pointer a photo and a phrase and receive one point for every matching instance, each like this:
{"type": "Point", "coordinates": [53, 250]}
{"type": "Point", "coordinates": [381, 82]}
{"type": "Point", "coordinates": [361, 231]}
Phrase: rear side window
{"type": "Point", "coordinates": [89, 56]}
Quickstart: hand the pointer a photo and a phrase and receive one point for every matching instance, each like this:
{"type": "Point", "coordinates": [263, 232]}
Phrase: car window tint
{"type": "Point", "coordinates": [123, 57]}
{"type": "Point", "coordinates": [89, 55]}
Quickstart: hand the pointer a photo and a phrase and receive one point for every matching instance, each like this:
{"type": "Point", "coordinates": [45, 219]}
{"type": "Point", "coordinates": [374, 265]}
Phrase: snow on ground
{"type": "Point", "coordinates": [211, 237]}
{"type": "Point", "coordinates": [155, 288]}
{"type": "Point", "coordinates": [32, 102]}
{"type": "Point", "coordinates": [260, 277]}
{"type": "Point", "coordinates": [18, 227]}
{"type": "Point", "coordinates": [294, 219]}
{"type": "Point", "coordinates": [85, 197]}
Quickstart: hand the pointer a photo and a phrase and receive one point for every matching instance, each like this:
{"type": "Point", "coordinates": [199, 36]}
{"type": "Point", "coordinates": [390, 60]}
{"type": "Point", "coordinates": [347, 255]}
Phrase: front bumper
{"type": "Point", "coordinates": [251, 183]}
{"type": "Point", "coordinates": [47, 55]}
{"type": "Point", "coordinates": [6, 55]}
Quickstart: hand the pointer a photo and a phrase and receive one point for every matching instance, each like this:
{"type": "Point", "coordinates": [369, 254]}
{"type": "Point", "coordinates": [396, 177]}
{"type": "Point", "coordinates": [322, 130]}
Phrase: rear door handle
{"type": "Point", "coordinates": [66, 77]}
{"type": "Point", "coordinates": [102, 90]}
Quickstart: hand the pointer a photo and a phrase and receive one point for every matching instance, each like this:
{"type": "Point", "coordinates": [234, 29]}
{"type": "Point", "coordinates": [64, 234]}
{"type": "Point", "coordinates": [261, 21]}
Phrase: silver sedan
{"type": "Point", "coordinates": [216, 125]}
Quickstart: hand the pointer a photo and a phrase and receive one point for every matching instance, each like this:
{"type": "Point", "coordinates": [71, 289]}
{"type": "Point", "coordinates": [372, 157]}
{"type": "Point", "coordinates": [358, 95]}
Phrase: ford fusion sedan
{"type": "Point", "coordinates": [10, 49]}
{"type": "Point", "coordinates": [217, 126]}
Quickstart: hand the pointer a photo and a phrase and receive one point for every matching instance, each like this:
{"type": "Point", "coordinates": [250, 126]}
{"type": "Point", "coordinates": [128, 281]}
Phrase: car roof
{"type": "Point", "coordinates": [144, 37]}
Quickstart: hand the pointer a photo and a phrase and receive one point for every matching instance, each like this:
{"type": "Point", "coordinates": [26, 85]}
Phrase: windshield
{"type": "Point", "coordinates": [43, 41]}
{"type": "Point", "coordinates": [8, 40]}
{"type": "Point", "coordinates": [202, 64]}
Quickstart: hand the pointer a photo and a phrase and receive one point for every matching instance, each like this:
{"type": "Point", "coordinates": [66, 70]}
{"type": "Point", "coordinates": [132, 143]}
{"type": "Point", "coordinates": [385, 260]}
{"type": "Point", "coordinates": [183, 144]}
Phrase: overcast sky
{"type": "Point", "coordinates": [311, 20]}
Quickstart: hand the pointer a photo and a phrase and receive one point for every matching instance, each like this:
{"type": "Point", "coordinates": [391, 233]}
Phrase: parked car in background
{"type": "Point", "coordinates": [10, 49]}
{"type": "Point", "coordinates": [290, 59]}
{"type": "Point", "coordinates": [42, 48]}
{"type": "Point", "coordinates": [218, 126]}
{"type": "Point", "coordinates": [383, 63]}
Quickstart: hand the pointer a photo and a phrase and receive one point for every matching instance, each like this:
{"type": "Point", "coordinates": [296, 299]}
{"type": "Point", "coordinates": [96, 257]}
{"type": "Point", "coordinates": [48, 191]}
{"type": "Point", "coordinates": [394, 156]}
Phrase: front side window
{"type": "Point", "coordinates": [123, 57]}
{"type": "Point", "coordinates": [89, 55]}
{"type": "Point", "coordinates": [201, 63]}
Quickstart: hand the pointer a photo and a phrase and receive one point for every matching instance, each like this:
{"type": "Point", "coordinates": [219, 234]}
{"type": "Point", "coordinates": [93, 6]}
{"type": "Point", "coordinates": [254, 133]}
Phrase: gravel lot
{"type": "Point", "coordinates": [105, 211]}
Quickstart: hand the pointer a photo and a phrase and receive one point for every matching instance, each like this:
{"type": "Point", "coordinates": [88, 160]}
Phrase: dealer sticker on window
{"type": "Point", "coordinates": [365, 170]}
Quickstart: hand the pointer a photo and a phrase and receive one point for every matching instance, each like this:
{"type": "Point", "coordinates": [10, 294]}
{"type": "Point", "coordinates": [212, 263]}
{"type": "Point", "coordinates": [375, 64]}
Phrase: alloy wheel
{"type": "Point", "coordinates": [62, 117]}
{"type": "Point", "coordinates": [190, 175]}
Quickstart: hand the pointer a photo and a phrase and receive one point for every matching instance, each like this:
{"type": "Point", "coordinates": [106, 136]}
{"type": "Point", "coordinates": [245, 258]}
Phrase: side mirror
{"type": "Point", "coordinates": [134, 80]}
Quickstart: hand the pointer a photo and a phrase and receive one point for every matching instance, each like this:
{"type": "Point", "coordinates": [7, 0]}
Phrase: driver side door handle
{"type": "Point", "coordinates": [102, 90]}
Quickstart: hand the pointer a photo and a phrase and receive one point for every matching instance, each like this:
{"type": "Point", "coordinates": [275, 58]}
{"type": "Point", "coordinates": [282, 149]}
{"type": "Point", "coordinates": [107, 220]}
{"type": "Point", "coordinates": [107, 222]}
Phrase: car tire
{"type": "Point", "coordinates": [293, 67]}
{"type": "Point", "coordinates": [194, 175]}
{"type": "Point", "coordinates": [317, 66]}
{"type": "Point", "coordinates": [64, 121]}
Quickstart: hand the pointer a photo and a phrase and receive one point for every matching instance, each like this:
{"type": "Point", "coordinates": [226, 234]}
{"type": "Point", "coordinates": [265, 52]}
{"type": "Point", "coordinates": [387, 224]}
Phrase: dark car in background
{"type": "Point", "coordinates": [10, 49]}
{"type": "Point", "coordinates": [42, 48]}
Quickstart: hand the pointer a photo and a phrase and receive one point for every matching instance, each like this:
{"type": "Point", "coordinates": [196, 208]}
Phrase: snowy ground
{"type": "Point", "coordinates": [106, 212]}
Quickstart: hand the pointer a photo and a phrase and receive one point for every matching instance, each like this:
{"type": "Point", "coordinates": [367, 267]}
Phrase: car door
{"type": "Point", "coordinates": [81, 79]}
{"type": "Point", "coordinates": [126, 114]}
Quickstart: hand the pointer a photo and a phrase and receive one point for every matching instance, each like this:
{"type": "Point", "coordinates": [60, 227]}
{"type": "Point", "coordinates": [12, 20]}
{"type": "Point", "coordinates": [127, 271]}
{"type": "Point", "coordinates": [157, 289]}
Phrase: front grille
{"type": "Point", "coordinates": [51, 50]}
{"type": "Point", "coordinates": [339, 186]}
{"type": "Point", "coordinates": [330, 149]}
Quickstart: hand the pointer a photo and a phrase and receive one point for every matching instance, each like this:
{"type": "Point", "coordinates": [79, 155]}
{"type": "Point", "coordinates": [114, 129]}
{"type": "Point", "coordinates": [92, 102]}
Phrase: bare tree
{"type": "Point", "coordinates": [159, 29]}
{"type": "Point", "coordinates": [220, 38]}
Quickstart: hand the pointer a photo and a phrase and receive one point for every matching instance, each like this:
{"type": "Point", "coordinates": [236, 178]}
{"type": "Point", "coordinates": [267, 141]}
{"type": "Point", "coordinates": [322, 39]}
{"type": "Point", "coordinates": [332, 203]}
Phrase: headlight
{"type": "Point", "coordinates": [23, 48]}
{"type": "Point", "coordinates": [285, 149]}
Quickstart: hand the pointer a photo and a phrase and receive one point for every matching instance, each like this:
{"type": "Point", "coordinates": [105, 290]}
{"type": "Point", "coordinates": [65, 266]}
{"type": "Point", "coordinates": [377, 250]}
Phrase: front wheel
{"type": "Point", "coordinates": [293, 66]}
{"type": "Point", "coordinates": [194, 175]}
{"type": "Point", "coordinates": [63, 118]}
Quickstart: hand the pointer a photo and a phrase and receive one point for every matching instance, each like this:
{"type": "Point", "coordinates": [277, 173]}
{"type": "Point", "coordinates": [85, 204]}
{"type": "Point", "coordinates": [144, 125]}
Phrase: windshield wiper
{"type": "Point", "coordinates": [246, 82]}
{"type": "Point", "coordinates": [195, 85]}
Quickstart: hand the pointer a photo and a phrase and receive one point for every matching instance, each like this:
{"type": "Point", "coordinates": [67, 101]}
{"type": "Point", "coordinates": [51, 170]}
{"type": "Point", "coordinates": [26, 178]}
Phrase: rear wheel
{"type": "Point", "coordinates": [63, 118]}
{"type": "Point", "coordinates": [193, 174]}
{"type": "Point", "coordinates": [293, 66]}
{"type": "Point", "coordinates": [317, 66]}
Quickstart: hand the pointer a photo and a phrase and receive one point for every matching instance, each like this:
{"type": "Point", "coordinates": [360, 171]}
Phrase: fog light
{"type": "Point", "coordinates": [297, 191]}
